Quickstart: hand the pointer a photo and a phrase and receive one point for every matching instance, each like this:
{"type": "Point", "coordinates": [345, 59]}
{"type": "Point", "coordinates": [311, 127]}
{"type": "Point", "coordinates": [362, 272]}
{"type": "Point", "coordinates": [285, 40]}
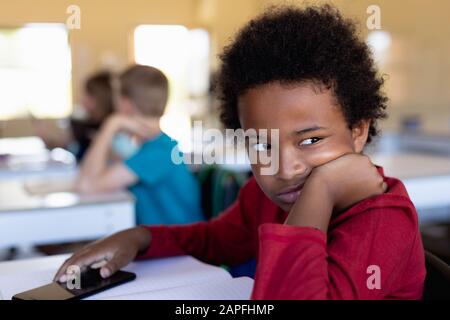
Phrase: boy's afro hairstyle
{"type": "Point", "coordinates": [293, 45]}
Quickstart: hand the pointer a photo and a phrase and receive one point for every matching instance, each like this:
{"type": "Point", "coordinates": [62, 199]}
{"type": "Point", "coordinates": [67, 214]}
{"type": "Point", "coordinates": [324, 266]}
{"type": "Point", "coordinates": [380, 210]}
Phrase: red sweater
{"type": "Point", "coordinates": [305, 263]}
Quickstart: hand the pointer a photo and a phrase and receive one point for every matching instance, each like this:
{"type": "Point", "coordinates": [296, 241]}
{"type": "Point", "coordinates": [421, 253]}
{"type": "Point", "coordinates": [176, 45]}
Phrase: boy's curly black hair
{"type": "Point", "coordinates": [293, 45]}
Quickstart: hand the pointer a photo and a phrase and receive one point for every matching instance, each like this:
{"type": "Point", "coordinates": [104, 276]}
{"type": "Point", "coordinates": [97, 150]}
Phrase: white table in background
{"type": "Point", "coordinates": [426, 178]}
{"type": "Point", "coordinates": [28, 157]}
{"type": "Point", "coordinates": [27, 219]}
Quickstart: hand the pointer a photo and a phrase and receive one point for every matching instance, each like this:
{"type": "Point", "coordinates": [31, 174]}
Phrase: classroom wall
{"type": "Point", "coordinates": [418, 67]}
{"type": "Point", "coordinates": [106, 26]}
{"type": "Point", "coordinates": [105, 37]}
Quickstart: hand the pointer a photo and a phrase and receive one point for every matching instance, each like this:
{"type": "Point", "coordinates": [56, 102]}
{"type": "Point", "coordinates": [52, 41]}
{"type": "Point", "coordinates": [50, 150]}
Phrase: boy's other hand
{"type": "Point", "coordinates": [144, 127]}
{"type": "Point", "coordinates": [349, 179]}
{"type": "Point", "coordinates": [115, 251]}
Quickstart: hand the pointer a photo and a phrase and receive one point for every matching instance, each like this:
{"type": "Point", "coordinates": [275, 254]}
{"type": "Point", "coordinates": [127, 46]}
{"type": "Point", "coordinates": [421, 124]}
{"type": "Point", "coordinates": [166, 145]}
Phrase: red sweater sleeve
{"type": "Point", "coordinates": [298, 263]}
{"type": "Point", "coordinates": [228, 239]}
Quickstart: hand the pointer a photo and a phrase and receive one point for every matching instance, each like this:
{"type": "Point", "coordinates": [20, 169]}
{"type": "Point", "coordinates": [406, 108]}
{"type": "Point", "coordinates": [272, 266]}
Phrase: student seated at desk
{"type": "Point", "coordinates": [165, 193]}
{"type": "Point", "coordinates": [96, 106]}
{"type": "Point", "coordinates": [327, 224]}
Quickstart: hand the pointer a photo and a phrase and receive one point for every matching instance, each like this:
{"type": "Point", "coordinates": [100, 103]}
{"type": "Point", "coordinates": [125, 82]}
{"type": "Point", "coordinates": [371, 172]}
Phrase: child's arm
{"type": "Point", "coordinates": [334, 187]}
{"type": "Point", "coordinates": [374, 252]}
{"type": "Point", "coordinates": [228, 239]}
{"type": "Point", "coordinates": [95, 174]}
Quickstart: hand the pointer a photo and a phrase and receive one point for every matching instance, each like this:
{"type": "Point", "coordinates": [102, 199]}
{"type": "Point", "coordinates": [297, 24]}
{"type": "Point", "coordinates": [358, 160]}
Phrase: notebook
{"type": "Point", "coordinates": [174, 278]}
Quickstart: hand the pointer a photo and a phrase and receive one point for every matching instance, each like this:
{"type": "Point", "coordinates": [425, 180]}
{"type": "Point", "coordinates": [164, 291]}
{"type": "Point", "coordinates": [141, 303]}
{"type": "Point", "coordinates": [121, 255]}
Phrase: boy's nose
{"type": "Point", "coordinates": [291, 165]}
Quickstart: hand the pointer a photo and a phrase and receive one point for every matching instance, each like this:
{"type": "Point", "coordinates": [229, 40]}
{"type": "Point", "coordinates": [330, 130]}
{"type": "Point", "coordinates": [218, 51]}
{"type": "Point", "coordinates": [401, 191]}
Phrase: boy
{"type": "Point", "coordinates": [165, 193]}
{"type": "Point", "coordinates": [328, 224]}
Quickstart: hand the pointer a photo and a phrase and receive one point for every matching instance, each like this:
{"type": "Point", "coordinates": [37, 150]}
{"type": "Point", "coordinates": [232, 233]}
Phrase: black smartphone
{"type": "Point", "coordinates": [91, 282]}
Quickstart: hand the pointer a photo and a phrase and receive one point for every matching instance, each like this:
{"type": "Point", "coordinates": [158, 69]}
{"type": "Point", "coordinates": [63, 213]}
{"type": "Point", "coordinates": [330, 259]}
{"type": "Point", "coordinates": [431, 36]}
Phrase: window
{"type": "Point", "coordinates": [35, 72]}
{"type": "Point", "coordinates": [183, 56]}
{"type": "Point", "coordinates": [379, 42]}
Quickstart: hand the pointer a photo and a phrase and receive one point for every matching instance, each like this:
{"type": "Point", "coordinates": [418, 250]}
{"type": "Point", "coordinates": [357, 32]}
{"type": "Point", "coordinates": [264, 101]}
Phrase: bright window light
{"type": "Point", "coordinates": [183, 56]}
{"type": "Point", "coordinates": [35, 72]}
{"type": "Point", "coordinates": [380, 43]}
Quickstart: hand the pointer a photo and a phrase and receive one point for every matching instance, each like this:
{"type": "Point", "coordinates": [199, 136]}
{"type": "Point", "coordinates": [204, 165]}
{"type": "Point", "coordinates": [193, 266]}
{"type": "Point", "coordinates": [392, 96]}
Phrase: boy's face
{"type": "Point", "coordinates": [312, 132]}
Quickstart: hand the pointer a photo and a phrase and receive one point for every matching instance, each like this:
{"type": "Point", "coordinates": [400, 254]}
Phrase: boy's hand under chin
{"type": "Point", "coordinates": [334, 187]}
{"type": "Point", "coordinates": [143, 127]}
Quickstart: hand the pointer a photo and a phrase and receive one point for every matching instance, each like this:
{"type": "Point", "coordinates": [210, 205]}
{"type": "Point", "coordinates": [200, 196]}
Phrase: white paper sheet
{"type": "Point", "coordinates": [229, 289]}
{"type": "Point", "coordinates": [152, 276]}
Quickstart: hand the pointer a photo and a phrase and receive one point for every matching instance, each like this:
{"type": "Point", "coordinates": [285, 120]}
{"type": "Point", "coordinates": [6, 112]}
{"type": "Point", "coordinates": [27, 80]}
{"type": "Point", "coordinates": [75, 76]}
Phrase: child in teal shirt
{"type": "Point", "coordinates": [165, 192]}
{"type": "Point", "coordinates": [169, 192]}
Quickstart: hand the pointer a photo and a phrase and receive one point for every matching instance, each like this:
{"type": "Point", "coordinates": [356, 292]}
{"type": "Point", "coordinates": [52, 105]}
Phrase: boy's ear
{"type": "Point", "coordinates": [126, 106]}
{"type": "Point", "coordinates": [360, 133]}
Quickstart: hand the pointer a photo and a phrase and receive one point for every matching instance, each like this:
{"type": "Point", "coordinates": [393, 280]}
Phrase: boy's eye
{"type": "Point", "coordinates": [261, 146]}
{"type": "Point", "coordinates": [310, 141]}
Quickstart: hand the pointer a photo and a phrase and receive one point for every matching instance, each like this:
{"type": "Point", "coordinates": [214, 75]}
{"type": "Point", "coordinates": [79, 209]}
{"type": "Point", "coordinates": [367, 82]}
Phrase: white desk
{"type": "Point", "coordinates": [27, 219]}
{"type": "Point", "coordinates": [426, 178]}
{"type": "Point", "coordinates": [21, 145]}
{"type": "Point", "coordinates": [27, 156]}
{"type": "Point", "coordinates": [172, 278]}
